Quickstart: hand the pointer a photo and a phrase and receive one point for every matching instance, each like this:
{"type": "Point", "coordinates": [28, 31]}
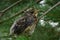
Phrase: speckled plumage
{"type": "Point", "coordinates": [25, 24]}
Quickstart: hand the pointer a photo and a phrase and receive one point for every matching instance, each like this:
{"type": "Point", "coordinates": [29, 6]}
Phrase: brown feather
{"type": "Point", "coordinates": [25, 24]}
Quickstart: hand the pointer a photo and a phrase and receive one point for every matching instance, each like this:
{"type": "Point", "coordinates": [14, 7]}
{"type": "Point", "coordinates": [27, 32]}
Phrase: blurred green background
{"type": "Point", "coordinates": [48, 28]}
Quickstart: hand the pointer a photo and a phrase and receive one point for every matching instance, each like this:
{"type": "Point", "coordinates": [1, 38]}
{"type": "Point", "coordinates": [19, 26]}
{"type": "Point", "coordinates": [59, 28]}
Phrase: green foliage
{"type": "Point", "coordinates": [46, 32]}
{"type": "Point", "coordinates": [54, 14]}
{"type": "Point", "coordinates": [52, 2]}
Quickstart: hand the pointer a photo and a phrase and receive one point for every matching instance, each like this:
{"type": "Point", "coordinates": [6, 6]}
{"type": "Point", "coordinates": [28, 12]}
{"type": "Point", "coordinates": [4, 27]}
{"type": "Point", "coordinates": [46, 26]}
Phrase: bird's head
{"type": "Point", "coordinates": [32, 11]}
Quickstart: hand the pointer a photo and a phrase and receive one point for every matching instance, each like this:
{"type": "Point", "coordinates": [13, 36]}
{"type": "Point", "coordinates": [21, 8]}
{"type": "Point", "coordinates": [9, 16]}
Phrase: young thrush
{"type": "Point", "coordinates": [25, 24]}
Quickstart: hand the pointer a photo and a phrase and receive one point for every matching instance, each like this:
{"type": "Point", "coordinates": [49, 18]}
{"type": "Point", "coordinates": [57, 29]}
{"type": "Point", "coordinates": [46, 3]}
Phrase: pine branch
{"type": "Point", "coordinates": [10, 6]}
{"type": "Point", "coordinates": [4, 10]}
{"type": "Point", "coordinates": [50, 9]}
{"type": "Point", "coordinates": [19, 12]}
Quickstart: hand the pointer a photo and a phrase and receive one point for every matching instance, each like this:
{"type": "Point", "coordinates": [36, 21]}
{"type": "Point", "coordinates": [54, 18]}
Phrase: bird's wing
{"type": "Point", "coordinates": [30, 29]}
{"type": "Point", "coordinates": [22, 24]}
{"type": "Point", "coordinates": [16, 25]}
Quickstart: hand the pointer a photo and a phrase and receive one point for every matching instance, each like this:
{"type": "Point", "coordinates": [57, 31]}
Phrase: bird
{"type": "Point", "coordinates": [25, 24]}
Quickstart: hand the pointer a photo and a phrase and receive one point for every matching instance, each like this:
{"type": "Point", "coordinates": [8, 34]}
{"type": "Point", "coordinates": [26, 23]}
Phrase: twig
{"type": "Point", "coordinates": [1, 12]}
{"type": "Point", "coordinates": [49, 10]}
{"type": "Point", "coordinates": [10, 6]}
{"type": "Point", "coordinates": [19, 12]}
